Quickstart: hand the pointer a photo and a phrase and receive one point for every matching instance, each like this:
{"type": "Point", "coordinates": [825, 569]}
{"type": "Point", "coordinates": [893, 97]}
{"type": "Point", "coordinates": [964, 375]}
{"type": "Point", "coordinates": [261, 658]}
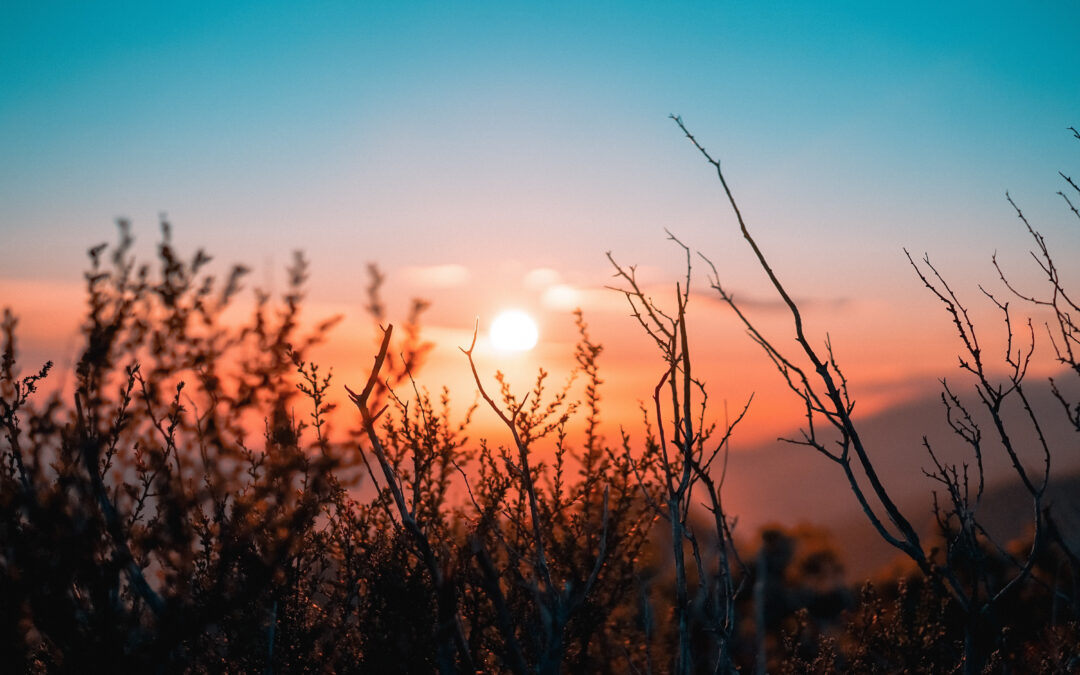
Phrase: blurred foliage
{"type": "Point", "coordinates": [143, 529]}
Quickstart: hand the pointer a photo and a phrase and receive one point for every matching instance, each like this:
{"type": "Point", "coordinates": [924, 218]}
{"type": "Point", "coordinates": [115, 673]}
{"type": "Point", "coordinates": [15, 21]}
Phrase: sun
{"type": "Point", "coordinates": [514, 331]}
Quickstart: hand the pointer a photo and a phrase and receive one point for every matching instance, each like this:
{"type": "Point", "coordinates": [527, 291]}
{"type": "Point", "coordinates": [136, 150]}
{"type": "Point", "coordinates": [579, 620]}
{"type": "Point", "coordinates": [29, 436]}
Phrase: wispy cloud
{"type": "Point", "coordinates": [541, 278]}
{"type": "Point", "coordinates": [774, 304]}
{"type": "Point", "coordinates": [564, 297]}
{"type": "Point", "coordinates": [436, 276]}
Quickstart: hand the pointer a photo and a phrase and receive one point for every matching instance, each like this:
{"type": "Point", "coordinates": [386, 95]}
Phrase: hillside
{"type": "Point", "coordinates": [778, 482]}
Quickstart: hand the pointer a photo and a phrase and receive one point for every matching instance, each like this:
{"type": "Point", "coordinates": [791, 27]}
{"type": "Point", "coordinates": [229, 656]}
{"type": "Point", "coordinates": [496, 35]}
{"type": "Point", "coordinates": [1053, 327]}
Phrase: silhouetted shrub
{"type": "Point", "coordinates": [193, 503]}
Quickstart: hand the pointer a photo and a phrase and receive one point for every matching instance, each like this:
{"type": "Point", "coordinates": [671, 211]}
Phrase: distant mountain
{"type": "Point", "coordinates": [1005, 512]}
{"type": "Point", "coordinates": [778, 482]}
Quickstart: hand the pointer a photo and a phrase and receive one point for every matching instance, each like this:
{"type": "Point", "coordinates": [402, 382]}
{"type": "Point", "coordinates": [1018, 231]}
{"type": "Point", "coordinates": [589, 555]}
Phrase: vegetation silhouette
{"type": "Point", "coordinates": [142, 529]}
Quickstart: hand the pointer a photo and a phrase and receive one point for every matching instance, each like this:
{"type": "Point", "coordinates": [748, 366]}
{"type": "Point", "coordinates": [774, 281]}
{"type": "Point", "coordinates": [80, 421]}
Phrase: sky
{"type": "Point", "coordinates": [489, 155]}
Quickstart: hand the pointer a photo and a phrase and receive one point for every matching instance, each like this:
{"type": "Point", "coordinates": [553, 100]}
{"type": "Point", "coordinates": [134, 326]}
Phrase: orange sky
{"type": "Point", "coordinates": [891, 352]}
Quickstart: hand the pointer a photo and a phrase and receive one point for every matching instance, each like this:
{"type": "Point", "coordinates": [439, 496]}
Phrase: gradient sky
{"type": "Point", "coordinates": [489, 154]}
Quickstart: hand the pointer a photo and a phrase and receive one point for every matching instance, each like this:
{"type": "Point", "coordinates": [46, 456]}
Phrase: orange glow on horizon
{"type": "Point", "coordinates": [891, 352]}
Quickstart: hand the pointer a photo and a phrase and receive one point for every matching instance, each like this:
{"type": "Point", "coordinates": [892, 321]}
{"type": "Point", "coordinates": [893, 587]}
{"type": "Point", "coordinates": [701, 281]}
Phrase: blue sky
{"type": "Point", "coordinates": [505, 137]}
{"type": "Point", "coordinates": [352, 118]}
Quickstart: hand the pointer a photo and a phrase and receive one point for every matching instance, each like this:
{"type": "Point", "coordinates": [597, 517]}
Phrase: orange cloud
{"type": "Point", "coordinates": [437, 276]}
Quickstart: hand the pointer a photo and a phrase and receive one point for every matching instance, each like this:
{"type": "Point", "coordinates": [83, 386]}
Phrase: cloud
{"type": "Point", "coordinates": [561, 297]}
{"type": "Point", "coordinates": [541, 278]}
{"type": "Point", "coordinates": [771, 305]}
{"type": "Point", "coordinates": [564, 297]}
{"type": "Point", "coordinates": [437, 276]}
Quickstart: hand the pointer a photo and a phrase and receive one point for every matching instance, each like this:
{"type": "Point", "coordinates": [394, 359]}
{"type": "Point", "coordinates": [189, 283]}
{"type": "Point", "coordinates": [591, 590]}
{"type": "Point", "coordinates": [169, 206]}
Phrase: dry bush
{"type": "Point", "coordinates": [194, 505]}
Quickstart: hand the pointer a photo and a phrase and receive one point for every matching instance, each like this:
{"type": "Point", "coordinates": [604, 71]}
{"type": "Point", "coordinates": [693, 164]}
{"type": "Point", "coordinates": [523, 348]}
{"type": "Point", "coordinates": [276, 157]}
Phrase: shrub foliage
{"type": "Point", "coordinates": [189, 503]}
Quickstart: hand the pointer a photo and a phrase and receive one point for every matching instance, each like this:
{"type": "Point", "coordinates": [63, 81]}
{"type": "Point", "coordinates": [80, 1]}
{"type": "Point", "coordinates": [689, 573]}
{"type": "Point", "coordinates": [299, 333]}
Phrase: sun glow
{"type": "Point", "coordinates": [514, 331]}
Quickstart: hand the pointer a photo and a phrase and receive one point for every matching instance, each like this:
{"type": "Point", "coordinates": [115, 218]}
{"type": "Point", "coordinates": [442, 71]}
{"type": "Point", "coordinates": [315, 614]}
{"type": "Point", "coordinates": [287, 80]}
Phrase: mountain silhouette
{"type": "Point", "coordinates": [778, 482]}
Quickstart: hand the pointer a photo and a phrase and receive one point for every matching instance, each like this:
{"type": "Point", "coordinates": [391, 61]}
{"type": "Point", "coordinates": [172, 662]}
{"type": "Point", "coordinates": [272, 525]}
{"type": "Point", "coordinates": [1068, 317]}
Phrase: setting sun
{"type": "Point", "coordinates": [514, 331]}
